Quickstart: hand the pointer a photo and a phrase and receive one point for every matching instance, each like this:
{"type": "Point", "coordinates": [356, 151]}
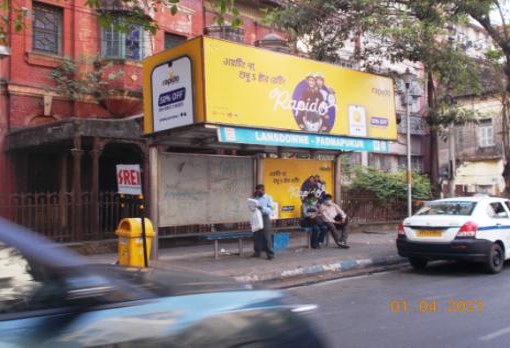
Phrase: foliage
{"type": "Point", "coordinates": [445, 114]}
{"type": "Point", "coordinates": [394, 31]}
{"type": "Point", "coordinates": [390, 30]}
{"type": "Point", "coordinates": [492, 15]}
{"type": "Point", "coordinates": [223, 9]}
{"type": "Point", "coordinates": [388, 187]}
{"type": "Point", "coordinates": [5, 20]}
{"type": "Point", "coordinates": [81, 79]}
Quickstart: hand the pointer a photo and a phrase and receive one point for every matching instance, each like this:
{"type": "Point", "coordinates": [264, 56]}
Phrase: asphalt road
{"type": "Point", "coordinates": [447, 305]}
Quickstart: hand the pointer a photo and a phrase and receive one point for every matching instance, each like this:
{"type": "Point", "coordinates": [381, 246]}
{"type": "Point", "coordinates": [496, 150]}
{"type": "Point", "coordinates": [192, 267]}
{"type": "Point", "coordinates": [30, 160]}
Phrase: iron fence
{"type": "Point", "coordinates": [65, 217]}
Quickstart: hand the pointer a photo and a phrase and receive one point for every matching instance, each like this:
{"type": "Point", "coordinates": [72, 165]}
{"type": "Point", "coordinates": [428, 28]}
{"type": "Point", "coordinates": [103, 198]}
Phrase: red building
{"type": "Point", "coordinates": [61, 136]}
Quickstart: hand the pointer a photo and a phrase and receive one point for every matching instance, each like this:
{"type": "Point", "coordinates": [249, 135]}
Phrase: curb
{"type": "Point", "coordinates": [341, 266]}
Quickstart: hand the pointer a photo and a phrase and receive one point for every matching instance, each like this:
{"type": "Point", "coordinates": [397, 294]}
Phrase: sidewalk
{"type": "Point", "coordinates": [369, 249]}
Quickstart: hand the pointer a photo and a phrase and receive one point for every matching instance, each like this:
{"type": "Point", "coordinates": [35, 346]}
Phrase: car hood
{"type": "Point", "coordinates": [85, 274]}
{"type": "Point", "coordinates": [39, 249]}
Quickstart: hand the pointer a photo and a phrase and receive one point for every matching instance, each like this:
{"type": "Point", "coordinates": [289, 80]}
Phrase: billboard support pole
{"type": "Point", "coordinates": [144, 236]}
{"type": "Point", "coordinates": [153, 179]}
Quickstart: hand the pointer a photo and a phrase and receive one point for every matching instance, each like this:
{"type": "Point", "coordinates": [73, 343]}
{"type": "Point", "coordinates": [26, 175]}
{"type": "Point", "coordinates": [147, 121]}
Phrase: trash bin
{"type": "Point", "coordinates": [130, 247]}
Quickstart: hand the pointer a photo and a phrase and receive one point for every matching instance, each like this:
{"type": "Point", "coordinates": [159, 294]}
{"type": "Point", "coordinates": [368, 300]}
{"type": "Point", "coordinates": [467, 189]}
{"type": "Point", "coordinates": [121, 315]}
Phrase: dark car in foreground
{"type": "Point", "coordinates": [50, 297]}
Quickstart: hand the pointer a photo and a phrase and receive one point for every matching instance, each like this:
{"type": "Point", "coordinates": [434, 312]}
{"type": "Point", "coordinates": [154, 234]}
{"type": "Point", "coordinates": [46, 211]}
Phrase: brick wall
{"type": "Point", "coordinates": [29, 81]}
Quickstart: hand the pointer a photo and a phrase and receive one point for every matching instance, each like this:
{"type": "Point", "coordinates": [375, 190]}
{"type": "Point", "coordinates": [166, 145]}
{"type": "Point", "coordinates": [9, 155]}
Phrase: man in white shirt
{"type": "Point", "coordinates": [329, 211]}
{"type": "Point", "coordinates": [263, 239]}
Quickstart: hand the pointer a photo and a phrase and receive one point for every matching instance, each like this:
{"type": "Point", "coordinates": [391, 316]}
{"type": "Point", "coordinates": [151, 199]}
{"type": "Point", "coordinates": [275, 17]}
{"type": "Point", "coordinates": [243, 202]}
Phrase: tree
{"type": "Point", "coordinates": [493, 16]}
{"type": "Point", "coordinates": [85, 78]}
{"type": "Point", "coordinates": [394, 31]}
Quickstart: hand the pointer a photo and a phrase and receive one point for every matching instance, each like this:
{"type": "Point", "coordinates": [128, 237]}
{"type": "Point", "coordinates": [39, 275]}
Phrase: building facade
{"type": "Point", "coordinates": [71, 106]}
{"type": "Point", "coordinates": [71, 110]}
{"type": "Point", "coordinates": [471, 156]}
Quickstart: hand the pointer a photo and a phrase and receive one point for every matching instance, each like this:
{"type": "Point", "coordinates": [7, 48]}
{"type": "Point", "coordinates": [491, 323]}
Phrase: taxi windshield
{"type": "Point", "coordinates": [447, 208]}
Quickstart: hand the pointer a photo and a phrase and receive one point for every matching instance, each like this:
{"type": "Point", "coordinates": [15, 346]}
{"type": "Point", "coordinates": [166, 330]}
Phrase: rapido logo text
{"type": "Point", "coordinates": [381, 92]}
{"type": "Point", "coordinates": [171, 79]}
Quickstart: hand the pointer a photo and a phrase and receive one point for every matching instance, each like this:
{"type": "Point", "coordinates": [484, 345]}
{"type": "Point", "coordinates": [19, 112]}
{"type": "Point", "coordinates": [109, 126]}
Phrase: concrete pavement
{"type": "Point", "coordinates": [369, 249]}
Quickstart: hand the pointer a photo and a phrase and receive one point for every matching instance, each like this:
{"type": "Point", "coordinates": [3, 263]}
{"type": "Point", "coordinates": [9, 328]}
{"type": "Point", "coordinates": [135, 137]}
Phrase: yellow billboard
{"type": "Point", "coordinates": [252, 87]}
{"type": "Point", "coordinates": [207, 80]}
{"type": "Point", "coordinates": [288, 181]}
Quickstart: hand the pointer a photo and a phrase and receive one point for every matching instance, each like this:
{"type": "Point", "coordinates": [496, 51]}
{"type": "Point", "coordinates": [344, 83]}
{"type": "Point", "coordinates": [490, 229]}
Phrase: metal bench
{"type": "Point", "coordinates": [240, 235]}
{"type": "Point", "coordinates": [217, 236]}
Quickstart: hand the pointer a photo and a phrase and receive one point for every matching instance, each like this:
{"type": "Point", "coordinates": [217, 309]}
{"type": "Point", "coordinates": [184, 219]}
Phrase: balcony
{"type": "Point", "coordinates": [136, 9]}
{"type": "Point", "coordinates": [480, 153]}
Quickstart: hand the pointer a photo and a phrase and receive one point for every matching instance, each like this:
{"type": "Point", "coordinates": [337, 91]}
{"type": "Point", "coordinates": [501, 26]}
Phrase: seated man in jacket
{"type": "Point", "coordinates": [333, 216]}
{"type": "Point", "coordinates": [310, 213]}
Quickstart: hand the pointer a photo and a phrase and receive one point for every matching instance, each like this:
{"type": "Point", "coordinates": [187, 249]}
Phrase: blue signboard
{"type": "Point", "coordinates": [309, 141]}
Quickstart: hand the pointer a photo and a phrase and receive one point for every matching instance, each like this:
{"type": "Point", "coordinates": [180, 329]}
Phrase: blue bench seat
{"type": "Point", "coordinates": [230, 235]}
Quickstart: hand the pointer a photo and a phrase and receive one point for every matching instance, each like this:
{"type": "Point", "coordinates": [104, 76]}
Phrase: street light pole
{"type": "Point", "coordinates": [453, 169]}
{"type": "Point", "coordinates": [408, 153]}
{"type": "Point", "coordinates": [408, 78]}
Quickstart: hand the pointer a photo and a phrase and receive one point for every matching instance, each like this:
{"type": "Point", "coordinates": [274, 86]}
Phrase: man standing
{"type": "Point", "coordinates": [330, 212]}
{"type": "Point", "coordinates": [263, 239]}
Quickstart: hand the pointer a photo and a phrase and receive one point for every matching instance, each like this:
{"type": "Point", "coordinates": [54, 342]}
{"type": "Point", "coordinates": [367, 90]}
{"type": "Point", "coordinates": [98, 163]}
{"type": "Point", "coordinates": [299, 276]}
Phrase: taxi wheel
{"type": "Point", "coordinates": [418, 263]}
{"type": "Point", "coordinates": [495, 260]}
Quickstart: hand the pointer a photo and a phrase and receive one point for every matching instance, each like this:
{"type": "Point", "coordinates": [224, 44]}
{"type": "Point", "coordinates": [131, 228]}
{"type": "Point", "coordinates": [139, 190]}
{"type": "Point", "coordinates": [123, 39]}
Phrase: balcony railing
{"type": "Point", "coordinates": [480, 152]}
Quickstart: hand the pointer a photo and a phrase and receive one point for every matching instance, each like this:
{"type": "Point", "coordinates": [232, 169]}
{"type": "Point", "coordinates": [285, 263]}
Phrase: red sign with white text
{"type": "Point", "coordinates": [129, 179]}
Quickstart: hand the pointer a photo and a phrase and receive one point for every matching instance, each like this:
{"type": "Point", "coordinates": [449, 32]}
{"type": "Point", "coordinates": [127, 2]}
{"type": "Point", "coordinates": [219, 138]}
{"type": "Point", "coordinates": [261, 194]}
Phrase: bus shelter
{"type": "Point", "coordinates": [224, 116]}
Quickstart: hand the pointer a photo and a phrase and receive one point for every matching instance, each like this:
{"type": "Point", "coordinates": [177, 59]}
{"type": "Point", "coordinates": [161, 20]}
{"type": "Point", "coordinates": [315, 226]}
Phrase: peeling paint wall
{"type": "Point", "coordinates": [479, 176]}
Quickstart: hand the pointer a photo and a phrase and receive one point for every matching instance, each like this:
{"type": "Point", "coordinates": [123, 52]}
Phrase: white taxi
{"type": "Point", "coordinates": [464, 228]}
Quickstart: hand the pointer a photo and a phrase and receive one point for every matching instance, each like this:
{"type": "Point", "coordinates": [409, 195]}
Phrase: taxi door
{"type": "Point", "coordinates": [499, 215]}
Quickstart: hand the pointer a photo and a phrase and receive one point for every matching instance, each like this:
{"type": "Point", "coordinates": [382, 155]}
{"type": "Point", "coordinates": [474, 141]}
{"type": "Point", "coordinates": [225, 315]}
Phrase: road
{"type": "Point", "coordinates": [447, 305]}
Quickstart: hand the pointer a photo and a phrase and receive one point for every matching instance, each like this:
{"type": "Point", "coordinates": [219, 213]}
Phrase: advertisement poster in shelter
{"type": "Point", "coordinates": [251, 87]}
{"type": "Point", "coordinates": [288, 181]}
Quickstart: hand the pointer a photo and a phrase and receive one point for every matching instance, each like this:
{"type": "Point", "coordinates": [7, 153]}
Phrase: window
{"type": "Point", "coordinates": [484, 189]}
{"type": "Point", "coordinates": [172, 40]}
{"type": "Point", "coordinates": [459, 137]}
{"type": "Point", "coordinates": [496, 210]}
{"type": "Point", "coordinates": [485, 133]}
{"type": "Point", "coordinates": [380, 161]}
{"type": "Point", "coordinates": [47, 29]}
{"type": "Point", "coordinates": [416, 163]}
{"type": "Point", "coordinates": [120, 45]}
{"type": "Point", "coordinates": [353, 158]}
{"type": "Point", "coordinates": [447, 208]}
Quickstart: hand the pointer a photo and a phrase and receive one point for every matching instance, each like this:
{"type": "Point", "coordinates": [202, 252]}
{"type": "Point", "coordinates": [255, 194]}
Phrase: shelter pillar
{"type": "Point", "coordinates": [77, 153]}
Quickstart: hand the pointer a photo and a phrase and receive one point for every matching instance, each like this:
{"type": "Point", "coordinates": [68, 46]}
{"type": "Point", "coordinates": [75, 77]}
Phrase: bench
{"type": "Point", "coordinates": [240, 235]}
{"type": "Point", "coordinates": [231, 235]}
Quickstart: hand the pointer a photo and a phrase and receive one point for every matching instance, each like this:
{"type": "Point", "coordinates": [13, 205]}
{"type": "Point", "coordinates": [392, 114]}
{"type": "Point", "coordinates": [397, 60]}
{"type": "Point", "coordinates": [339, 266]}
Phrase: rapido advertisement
{"type": "Point", "coordinates": [251, 87]}
{"type": "Point", "coordinates": [288, 181]}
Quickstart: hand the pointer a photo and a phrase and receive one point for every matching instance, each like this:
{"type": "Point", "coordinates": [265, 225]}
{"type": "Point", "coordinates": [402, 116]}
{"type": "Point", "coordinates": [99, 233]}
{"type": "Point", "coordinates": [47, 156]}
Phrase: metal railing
{"type": "Point", "coordinates": [360, 209]}
{"type": "Point", "coordinates": [66, 218]}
